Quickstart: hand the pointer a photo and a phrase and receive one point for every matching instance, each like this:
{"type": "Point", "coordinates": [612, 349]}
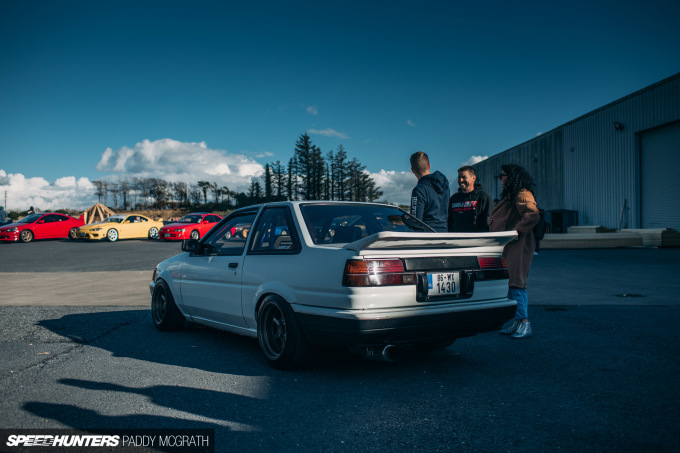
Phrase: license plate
{"type": "Point", "coordinates": [443, 284]}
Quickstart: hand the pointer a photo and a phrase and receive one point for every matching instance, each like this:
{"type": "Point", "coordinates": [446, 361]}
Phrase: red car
{"type": "Point", "coordinates": [44, 225]}
{"type": "Point", "coordinates": [191, 226]}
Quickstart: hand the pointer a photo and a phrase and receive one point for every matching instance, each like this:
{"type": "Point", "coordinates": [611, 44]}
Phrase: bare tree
{"type": "Point", "coordinates": [195, 193]}
{"type": "Point", "coordinates": [181, 192]}
{"type": "Point", "coordinates": [99, 190]}
{"type": "Point", "coordinates": [113, 188]}
{"type": "Point", "coordinates": [124, 188]}
{"type": "Point", "coordinates": [205, 186]}
{"type": "Point", "coordinates": [227, 193]}
{"type": "Point", "coordinates": [215, 189]}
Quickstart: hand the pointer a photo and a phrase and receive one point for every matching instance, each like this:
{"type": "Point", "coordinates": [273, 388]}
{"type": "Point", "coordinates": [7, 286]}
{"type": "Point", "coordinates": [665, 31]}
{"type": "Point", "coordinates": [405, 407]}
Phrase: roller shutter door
{"type": "Point", "coordinates": [660, 177]}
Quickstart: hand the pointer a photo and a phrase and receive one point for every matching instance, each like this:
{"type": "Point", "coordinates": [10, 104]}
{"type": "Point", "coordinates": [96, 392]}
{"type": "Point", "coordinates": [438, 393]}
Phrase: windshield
{"type": "Point", "coordinates": [343, 223]}
{"type": "Point", "coordinates": [191, 218]}
{"type": "Point", "coordinates": [30, 219]}
{"type": "Point", "coordinates": [114, 219]}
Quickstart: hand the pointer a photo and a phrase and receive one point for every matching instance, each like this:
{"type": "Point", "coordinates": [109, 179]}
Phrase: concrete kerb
{"type": "Point", "coordinates": [587, 237]}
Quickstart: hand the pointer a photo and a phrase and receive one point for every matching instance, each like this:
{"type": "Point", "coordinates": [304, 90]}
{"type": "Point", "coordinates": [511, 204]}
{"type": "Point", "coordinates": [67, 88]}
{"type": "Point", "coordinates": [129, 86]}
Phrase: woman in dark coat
{"type": "Point", "coordinates": [517, 211]}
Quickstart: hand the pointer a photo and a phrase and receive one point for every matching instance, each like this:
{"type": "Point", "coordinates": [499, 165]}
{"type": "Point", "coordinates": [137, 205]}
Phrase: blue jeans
{"type": "Point", "coordinates": [520, 295]}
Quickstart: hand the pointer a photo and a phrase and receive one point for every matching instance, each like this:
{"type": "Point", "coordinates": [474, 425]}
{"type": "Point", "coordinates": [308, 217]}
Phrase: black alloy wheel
{"type": "Point", "coordinates": [279, 335]}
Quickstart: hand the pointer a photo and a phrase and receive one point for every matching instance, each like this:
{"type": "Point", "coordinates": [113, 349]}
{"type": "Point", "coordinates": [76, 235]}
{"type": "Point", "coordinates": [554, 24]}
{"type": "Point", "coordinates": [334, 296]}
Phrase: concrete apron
{"type": "Point", "coordinates": [121, 288]}
{"type": "Point", "coordinates": [131, 288]}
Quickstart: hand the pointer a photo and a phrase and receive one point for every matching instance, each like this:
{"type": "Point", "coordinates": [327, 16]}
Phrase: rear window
{"type": "Point", "coordinates": [344, 223]}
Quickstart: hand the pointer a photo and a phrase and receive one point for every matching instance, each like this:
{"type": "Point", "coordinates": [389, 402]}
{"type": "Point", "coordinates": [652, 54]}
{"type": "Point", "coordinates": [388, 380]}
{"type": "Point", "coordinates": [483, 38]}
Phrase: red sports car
{"type": "Point", "coordinates": [44, 225]}
{"type": "Point", "coordinates": [191, 226]}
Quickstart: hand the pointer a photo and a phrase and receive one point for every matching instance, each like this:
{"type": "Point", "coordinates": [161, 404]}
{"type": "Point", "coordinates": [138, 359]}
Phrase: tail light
{"type": "Point", "coordinates": [376, 273]}
{"type": "Point", "coordinates": [491, 262]}
{"type": "Point", "coordinates": [491, 268]}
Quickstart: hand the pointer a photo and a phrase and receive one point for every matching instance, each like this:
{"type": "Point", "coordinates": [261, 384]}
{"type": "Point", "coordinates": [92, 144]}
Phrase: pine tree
{"type": "Point", "coordinates": [303, 159]}
{"type": "Point", "coordinates": [341, 174]}
{"type": "Point", "coordinates": [268, 195]}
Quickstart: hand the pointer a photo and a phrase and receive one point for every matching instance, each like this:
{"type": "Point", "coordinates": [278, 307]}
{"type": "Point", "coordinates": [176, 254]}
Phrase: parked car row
{"type": "Point", "coordinates": [191, 226]}
{"type": "Point", "coordinates": [52, 225]}
{"type": "Point", "coordinates": [44, 225]}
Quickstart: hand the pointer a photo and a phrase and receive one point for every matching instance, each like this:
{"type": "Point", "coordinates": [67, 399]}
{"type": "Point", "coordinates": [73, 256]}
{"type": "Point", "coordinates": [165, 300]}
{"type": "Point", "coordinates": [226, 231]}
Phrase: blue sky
{"type": "Point", "coordinates": [215, 90]}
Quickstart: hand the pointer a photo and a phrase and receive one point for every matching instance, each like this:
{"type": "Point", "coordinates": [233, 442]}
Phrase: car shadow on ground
{"type": "Point", "coordinates": [205, 348]}
{"type": "Point", "coordinates": [189, 389]}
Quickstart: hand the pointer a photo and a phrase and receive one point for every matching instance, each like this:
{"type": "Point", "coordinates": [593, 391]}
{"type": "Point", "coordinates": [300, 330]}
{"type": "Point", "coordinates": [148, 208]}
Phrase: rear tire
{"type": "Point", "coordinates": [279, 335]}
{"type": "Point", "coordinates": [112, 235]}
{"type": "Point", "coordinates": [73, 234]}
{"type": "Point", "coordinates": [164, 312]}
{"type": "Point", "coordinates": [26, 236]}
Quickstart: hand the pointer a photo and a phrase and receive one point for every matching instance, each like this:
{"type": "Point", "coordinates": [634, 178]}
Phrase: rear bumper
{"type": "Point", "coordinates": [403, 326]}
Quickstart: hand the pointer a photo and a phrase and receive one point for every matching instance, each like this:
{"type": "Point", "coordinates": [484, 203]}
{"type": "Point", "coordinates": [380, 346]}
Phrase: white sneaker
{"type": "Point", "coordinates": [523, 331]}
{"type": "Point", "coordinates": [512, 328]}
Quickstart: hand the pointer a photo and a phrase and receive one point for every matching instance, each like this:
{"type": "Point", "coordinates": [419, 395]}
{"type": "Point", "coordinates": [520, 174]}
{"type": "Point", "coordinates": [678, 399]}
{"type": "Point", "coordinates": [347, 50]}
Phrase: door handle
{"type": "Point", "coordinates": [233, 265]}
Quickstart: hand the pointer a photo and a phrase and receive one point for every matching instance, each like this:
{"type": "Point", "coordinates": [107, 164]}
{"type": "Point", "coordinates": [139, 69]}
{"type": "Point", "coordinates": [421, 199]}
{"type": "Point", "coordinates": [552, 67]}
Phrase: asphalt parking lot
{"type": "Point", "coordinates": [600, 374]}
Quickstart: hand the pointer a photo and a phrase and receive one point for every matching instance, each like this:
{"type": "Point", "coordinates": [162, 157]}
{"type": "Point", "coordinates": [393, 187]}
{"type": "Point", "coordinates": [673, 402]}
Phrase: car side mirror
{"type": "Point", "coordinates": [41, 221]}
{"type": "Point", "coordinates": [191, 246]}
{"type": "Point", "coordinates": [206, 221]}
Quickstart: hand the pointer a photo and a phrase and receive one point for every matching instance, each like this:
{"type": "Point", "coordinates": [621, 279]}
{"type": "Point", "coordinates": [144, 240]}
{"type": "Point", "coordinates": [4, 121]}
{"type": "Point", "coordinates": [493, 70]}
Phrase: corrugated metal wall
{"type": "Point", "coordinates": [542, 157]}
{"type": "Point", "coordinates": [592, 164]}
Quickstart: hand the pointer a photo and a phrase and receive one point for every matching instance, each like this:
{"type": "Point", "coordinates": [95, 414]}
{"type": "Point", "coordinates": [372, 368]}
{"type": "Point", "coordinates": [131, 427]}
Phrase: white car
{"type": "Point", "coordinates": [363, 275]}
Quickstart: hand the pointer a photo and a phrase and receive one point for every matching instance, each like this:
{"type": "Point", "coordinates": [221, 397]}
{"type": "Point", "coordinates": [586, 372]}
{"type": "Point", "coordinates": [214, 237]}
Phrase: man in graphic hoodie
{"type": "Point", "coordinates": [469, 207]}
{"type": "Point", "coordinates": [430, 197]}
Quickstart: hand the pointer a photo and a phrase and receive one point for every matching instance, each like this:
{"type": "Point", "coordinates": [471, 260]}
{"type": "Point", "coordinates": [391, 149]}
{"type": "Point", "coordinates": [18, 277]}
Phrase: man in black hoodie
{"type": "Point", "coordinates": [469, 207]}
{"type": "Point", "coordinates": [430, 197]}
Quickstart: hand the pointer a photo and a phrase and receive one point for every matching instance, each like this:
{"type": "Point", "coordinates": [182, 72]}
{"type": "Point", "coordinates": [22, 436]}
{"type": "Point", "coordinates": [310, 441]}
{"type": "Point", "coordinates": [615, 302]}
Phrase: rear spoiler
{"type": "Point", "coordinates": [390, 240]}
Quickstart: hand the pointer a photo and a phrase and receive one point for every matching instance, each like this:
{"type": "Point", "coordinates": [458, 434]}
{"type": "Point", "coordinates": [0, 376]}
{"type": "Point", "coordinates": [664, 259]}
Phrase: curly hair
{"type": "Point", "coordinates": [518, 180]}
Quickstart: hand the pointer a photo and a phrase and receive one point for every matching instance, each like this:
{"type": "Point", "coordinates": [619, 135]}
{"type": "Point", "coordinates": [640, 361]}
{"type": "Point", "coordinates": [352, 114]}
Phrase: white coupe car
{"type": "Point", "coordinates": [363, 275]}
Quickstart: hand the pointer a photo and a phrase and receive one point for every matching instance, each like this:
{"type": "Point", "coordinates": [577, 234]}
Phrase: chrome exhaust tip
{"type": "Point", "coordinates": [386, 353]}
{"type": "Point", "coordinates": [378, 353]}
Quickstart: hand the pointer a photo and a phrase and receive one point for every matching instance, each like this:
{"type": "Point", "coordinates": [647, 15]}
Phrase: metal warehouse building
{"type": "Point", "coordinates": [617, 166]}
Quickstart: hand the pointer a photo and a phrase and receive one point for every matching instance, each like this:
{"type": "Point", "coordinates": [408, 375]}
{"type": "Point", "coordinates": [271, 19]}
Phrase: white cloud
{"type": "Point", "coordinates": [170, 160]}
{"type": "Point", "coordinates": [65, 193]}
{"type": "Point", "coordinates": [328, 132]}
{"type": "Point", "coordinates": [396, 185]}
{"type": "Point", "coordinates": [173, 160]}
{"type": "Point", "coordinates": [166, 159]}
{"type": "Point", "coordinates": [312, 110]}
{"type": "Point", "coordinates": [473, 160]}
{"type": "Point", "coordinates": [410, 123]}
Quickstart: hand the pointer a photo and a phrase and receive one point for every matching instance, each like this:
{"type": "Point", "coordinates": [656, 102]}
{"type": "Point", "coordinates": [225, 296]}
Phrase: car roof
{"type": "Point", "coordinates": [315, 202]}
